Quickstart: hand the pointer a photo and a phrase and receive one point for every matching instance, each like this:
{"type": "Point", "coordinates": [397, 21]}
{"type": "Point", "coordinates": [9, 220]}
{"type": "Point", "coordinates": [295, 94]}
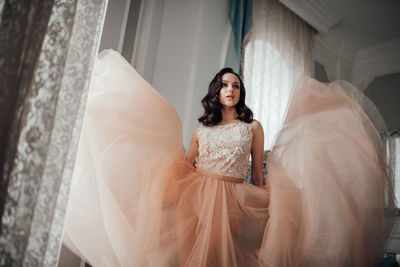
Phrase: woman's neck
{"type": "Point", "coordinates": [228, 115]}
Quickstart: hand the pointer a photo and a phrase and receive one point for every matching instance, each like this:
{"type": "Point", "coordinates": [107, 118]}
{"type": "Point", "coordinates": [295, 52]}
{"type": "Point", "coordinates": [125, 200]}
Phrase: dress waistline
{"type": "Point", "coordinates": [220, 176]}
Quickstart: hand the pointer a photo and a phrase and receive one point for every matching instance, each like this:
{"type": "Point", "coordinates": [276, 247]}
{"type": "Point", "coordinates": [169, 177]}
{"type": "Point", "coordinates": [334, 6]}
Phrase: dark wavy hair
{"type": "Point", "coordinates": [212, 106]}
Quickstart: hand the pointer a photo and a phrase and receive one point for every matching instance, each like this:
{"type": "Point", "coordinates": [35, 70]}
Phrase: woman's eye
{"type": "Point", "coordinates": [224, 85]}
{"type": "Point", "coordinates": [236, 86]}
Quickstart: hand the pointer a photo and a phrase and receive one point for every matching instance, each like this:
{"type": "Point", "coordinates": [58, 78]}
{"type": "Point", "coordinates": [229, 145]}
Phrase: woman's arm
{"type": "Point", "coordinates": [193, 150]}
{"type": "Point", "coordinates": [257, 152]}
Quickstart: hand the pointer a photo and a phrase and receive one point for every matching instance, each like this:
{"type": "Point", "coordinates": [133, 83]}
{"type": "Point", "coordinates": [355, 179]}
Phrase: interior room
{"type": "Point", "coordinates": [177, 46]}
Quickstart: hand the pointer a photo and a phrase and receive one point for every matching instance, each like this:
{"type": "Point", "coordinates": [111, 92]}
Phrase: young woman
{"type": "Point", "coordinates": [137, 199]}
{"type": "Point", "coordinates": [230, 215]}
{"type": "Point", "coordinates": [225, 104]}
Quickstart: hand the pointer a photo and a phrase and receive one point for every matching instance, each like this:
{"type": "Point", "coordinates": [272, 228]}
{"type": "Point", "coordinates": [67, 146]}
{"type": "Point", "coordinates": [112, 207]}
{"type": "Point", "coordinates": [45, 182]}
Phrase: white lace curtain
{"type": "Point", "coordinates": [46, 56]}
{"type": "Point", "coordinates": [278, 49]}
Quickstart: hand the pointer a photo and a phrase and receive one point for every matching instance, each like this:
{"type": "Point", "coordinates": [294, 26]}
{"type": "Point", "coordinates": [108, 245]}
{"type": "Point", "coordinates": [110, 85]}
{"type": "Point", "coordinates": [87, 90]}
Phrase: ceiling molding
{"type": "Point", "coordinates": [327, 42]}
{"type": "Point", "coordinates": [318, 13]}
{"type": "Point", "coordinates": [335, 55]}
{"type": "Point", "coordinates": [338, 48]}
{"type": "Point", "coordinates": [376, 61]}
{"type": "Point", "coordinates": [384, 50]}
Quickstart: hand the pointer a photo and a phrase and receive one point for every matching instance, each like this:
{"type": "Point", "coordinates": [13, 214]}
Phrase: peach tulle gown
{"type": "Point", "coordinates": [135, 202]}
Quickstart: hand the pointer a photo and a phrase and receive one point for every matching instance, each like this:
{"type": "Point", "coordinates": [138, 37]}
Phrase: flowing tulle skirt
{"type": "Point", "coordinates": [135, 202]}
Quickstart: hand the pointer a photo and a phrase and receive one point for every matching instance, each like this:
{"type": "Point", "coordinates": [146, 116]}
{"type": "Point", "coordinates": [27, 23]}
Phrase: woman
{"type": "Point", "coordinates": [225, 104]}
{"type": "Point", "coordinates": [136, 200]}
{"type": "Point", "coordinates": [231, 215]}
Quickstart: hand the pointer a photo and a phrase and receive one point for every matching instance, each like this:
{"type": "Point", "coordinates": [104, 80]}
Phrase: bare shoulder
{"type": "Point", "coordinates": [196, 132]}
{"type": "Point", "coordinates": [258, 132]}
{"type": "Point", "coordinates": [256, 126]}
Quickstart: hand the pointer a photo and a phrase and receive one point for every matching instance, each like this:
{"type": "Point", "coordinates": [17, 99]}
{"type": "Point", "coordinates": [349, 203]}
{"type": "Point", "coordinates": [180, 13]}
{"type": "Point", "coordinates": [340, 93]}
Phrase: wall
{"type": "Point", "coordinates": [68, 258]}
{"type": "Point", "coordinates": [115, 25]}
{"type": "Point", "coordinates": [176, 45]}
{"type": "Point", "coordinates": [180, 50]}
{"type": "Point", "coordinates": [131, 27]}
{"type": "Point", "coordinates": [384, 91]}
{"type": "Point", "coordinates": [320, 72]}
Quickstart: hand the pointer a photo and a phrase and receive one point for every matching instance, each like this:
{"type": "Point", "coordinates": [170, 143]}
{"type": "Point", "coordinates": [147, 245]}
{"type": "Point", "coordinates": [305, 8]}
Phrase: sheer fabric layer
{"type": "Point", "coordinates": [329, 182]}
{"type": "Point", "coordinates": [135, 202]}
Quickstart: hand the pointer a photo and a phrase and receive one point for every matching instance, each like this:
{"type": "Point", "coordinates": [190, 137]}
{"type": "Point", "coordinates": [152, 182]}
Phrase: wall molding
{"type": "Point", "coordinates": [142, 35]}
{"type": "Point", "coordinates": [193, 70]}
{"type": "Point", "coordinates": [123, 26]}
{"type": "Point", "coordinates": [377, 51]}
{"type": "Point", "coordinates": [376, 61]}
{"type": "Point", "coordinates": [341, 61]}
{"type": "Point", "coordinates": [335, 55]}
{"type": "Point", "coordinates": [148, 29]}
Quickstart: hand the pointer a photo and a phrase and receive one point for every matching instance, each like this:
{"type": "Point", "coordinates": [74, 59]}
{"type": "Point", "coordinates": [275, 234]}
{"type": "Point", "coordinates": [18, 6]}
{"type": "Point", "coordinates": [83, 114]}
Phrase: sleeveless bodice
{"type": "Point", "coordinates": [225, 149]}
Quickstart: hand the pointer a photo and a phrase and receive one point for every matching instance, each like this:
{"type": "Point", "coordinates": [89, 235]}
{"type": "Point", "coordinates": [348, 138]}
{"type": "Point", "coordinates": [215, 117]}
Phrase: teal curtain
{"type": "Point", "coordinates": [240, 16]}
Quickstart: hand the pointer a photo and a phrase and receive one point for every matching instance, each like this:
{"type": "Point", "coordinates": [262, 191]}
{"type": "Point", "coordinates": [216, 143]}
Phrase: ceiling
{"type": "Point", "coordinates": [366, 23]}
{"type": "Point", "coordinates": [359, 23]}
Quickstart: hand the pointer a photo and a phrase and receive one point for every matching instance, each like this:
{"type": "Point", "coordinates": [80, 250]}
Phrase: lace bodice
{"type": "Point", "coordinates": [225, 149]}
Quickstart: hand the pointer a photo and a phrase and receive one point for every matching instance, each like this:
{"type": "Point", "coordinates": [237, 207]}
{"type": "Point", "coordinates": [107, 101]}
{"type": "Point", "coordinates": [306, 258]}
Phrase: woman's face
{"type": "Point", "coordinates": [230, 92]}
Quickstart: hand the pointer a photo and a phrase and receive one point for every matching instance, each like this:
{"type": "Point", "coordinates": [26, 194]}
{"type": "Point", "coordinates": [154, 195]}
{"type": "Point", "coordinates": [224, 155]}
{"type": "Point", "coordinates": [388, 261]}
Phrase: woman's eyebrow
{"type": "Point", "coordinates": [225, 81]}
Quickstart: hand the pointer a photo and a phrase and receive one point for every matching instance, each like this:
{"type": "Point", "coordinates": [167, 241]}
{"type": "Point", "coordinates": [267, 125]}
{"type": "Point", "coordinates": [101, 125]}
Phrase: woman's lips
{"type": "Point", "coordinates": [229, 96]}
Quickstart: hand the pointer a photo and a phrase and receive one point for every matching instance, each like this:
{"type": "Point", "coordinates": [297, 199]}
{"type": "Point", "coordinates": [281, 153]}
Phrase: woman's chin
{"type": "Point", "coordinates": [228, 106]}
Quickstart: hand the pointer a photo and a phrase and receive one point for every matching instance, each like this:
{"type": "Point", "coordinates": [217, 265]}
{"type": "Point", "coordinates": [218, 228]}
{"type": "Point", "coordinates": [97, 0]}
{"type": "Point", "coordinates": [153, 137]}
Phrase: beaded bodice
{"type": "Point", "coordinates": [225, 149]}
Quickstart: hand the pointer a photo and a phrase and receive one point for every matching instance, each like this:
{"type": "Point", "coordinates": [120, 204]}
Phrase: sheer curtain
{"type": "Point", "coordinates": [46, 55]}
{"type": "Point", "coordinates": [277, 50]}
